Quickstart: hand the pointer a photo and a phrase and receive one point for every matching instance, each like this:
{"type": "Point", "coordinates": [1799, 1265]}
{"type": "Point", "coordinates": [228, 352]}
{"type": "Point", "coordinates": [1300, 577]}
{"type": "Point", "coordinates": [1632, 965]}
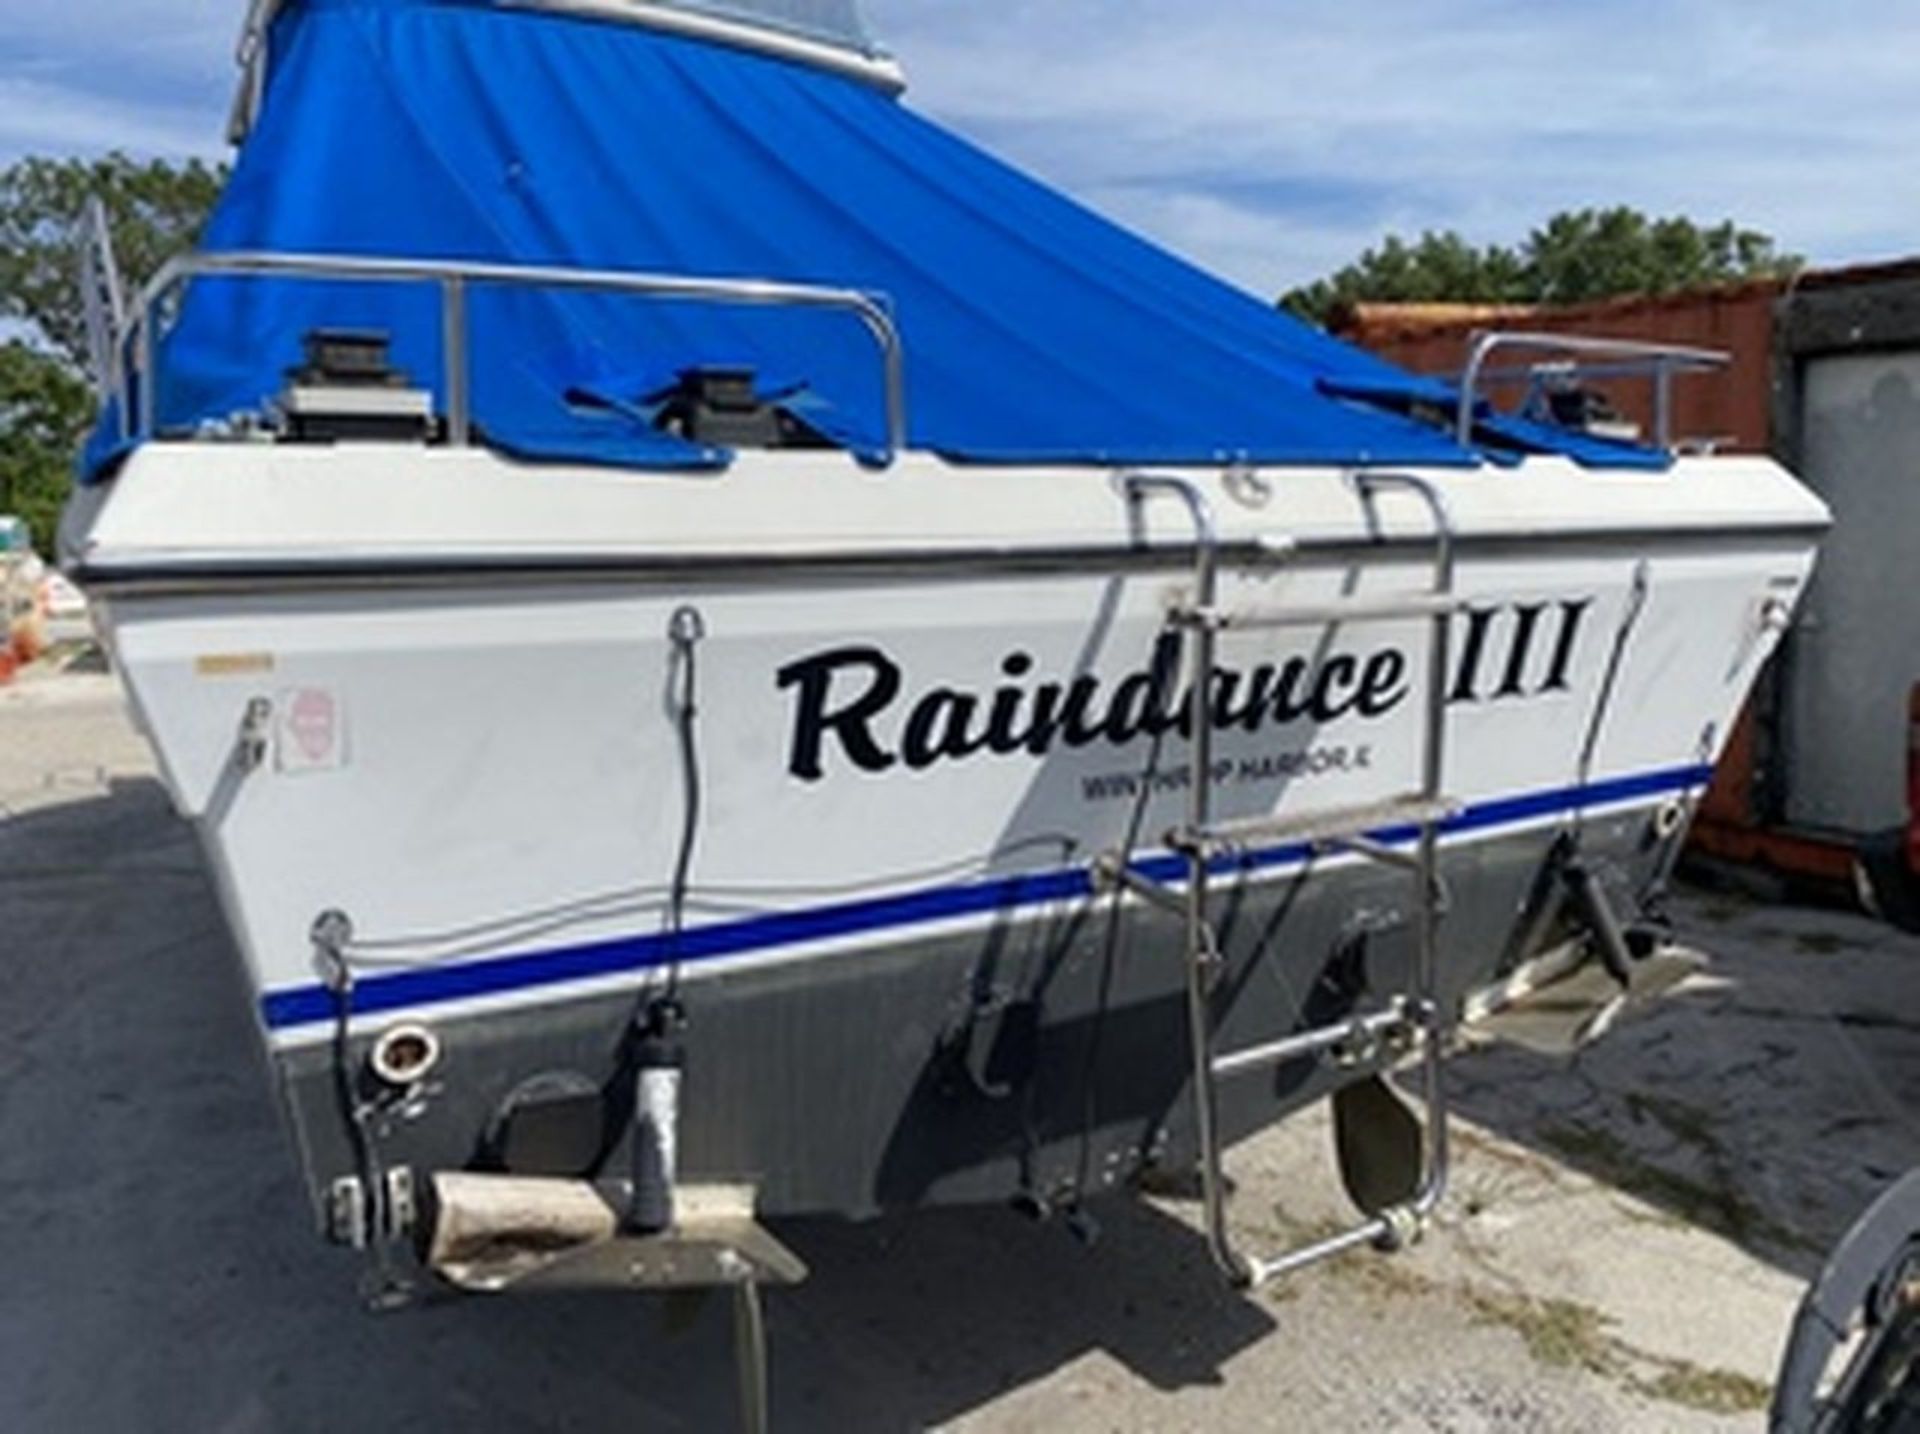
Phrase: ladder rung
{"type": "Point", "coordinates": [1330, 824]}
{"type": "Point", "coordinates": [1392, 1229]}
{"type": "Point", "coordinates": [1371, 608]}
{"type": "Point", "coordinates": [1359, 1032]}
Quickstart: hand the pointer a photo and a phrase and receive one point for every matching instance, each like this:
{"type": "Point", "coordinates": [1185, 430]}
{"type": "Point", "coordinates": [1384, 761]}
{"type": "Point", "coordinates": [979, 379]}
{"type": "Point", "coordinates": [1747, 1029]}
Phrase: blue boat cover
{"type": "Point", "coordinates": [1034, 330]}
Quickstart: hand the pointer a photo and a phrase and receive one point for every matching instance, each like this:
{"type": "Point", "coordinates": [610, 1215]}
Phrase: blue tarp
{"type": "Point", "coordinates": [1034, 330]}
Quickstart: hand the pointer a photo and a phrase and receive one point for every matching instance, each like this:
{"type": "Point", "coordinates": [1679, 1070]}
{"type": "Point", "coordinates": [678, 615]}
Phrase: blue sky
{"type": "Point", "coordinates": [1270, 139]}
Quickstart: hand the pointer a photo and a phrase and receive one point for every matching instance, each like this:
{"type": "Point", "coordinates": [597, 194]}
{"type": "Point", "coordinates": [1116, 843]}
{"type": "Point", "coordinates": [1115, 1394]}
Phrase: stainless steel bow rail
{"type": "Point", "coordinates": [1416, 1014]}
{"type": "Point", "coordinates": [1633, 358]}
{"type": "Point", "coordinates": [456, 277]}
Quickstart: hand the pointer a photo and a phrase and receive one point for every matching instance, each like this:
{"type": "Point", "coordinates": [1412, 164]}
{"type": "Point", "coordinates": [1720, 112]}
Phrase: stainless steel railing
{"type": "Point", "coordinates": [455, 277]}
{"type": "Point", "coordinates": [1658, 362]}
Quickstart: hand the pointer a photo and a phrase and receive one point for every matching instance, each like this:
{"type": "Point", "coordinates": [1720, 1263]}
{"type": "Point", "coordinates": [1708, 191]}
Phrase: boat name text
{"type": "Point", "coordinates": [856, 696]}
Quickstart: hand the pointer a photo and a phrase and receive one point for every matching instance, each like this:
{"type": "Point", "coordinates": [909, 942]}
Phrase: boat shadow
{"type": "Point", "coordinates": [1768, 1102]}
{"type": "Point", "coordinates": [152, 1223]}
{"type": "Point", "coordinates": [950, 1309]}
{"type": "Point", "coordinates": [904, 1323]}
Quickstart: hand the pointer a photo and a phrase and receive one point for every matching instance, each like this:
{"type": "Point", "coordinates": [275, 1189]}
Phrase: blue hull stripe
{"type": "Point", "coordinates": [305, 1005]}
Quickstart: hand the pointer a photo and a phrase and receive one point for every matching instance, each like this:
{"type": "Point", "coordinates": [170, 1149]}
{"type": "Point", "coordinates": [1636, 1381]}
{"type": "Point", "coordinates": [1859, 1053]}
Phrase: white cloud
{"type": "Point", "coordinates": [1270, 139]}
{"type": "Point", "coordinates": [1482, 115]}
{"type": "Point", "coordinates": [149, 76]}
{"type": "Point", "coordinates": [41, 118]}
{"type": "Point", "coordinates": [143, 75]}
{"type": "Point", "coordinates": [113, 41]}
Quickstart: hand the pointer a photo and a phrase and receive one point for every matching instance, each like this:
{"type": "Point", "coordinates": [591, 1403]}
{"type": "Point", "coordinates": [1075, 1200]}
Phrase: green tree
{"type": "Point", "coordinates": [44, 409]}
{"type": "Point", "coordinates": [1594, 253]}
{"type": "Point", "coordinates": [1438, 266]}
{"type": "Point", "coordinates": [154, 210]}
{"type": "Point", "coordinates": [1577, 255]}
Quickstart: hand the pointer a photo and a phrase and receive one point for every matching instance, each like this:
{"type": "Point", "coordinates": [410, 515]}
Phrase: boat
{"type": "Point", "coordinates": [732, 656]}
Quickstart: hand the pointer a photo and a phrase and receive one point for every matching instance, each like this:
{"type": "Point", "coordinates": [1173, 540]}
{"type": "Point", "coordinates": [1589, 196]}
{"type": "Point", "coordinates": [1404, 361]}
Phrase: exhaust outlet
{"type": "Point", "coordinates": [403, 1056]}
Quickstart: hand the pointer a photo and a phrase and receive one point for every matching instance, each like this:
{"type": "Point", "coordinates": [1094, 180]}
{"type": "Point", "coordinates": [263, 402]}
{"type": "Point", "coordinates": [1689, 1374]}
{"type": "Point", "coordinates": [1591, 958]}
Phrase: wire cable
{"type": "Point", "coordinates": [685, 629]}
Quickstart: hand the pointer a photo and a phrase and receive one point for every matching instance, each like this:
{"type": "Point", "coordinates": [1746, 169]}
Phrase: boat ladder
{"type": "Point", "coordinates": [1394, 1168]}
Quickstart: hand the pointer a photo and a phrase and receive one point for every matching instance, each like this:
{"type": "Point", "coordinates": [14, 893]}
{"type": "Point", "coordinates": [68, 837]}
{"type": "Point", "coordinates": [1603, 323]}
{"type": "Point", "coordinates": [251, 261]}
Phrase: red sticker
{"type": "Point", "coordinates": [312, 736]}
{"type": "Point", "coordinates": [314, 724]}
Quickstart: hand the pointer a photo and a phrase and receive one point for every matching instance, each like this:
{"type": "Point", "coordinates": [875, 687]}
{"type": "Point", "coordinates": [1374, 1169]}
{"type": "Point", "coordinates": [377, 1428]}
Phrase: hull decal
{"type": "Point", "coordinates": [302, 1006]}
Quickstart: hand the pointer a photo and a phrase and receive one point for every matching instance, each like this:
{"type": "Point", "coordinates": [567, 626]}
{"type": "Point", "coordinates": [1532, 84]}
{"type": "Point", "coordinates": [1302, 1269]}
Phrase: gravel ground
{"type": "Point", "coordinates": [1623, 1250]}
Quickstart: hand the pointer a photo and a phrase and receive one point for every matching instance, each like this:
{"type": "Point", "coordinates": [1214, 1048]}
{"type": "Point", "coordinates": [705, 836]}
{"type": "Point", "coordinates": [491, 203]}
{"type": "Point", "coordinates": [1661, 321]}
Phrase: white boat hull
{"type": "Point", "coordinates": [925, 703]}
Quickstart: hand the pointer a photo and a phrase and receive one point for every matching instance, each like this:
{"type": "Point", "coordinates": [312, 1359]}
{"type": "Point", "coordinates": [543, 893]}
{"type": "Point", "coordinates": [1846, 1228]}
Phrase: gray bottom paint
{"type": "Point", "coordinates": [1018, 1062]}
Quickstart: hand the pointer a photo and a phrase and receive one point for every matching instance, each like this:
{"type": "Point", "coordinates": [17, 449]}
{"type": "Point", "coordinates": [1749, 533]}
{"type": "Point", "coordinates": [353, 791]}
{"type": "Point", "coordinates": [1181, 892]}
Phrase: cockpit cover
{"type": "Point", "coordinates": [1034, 330]}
